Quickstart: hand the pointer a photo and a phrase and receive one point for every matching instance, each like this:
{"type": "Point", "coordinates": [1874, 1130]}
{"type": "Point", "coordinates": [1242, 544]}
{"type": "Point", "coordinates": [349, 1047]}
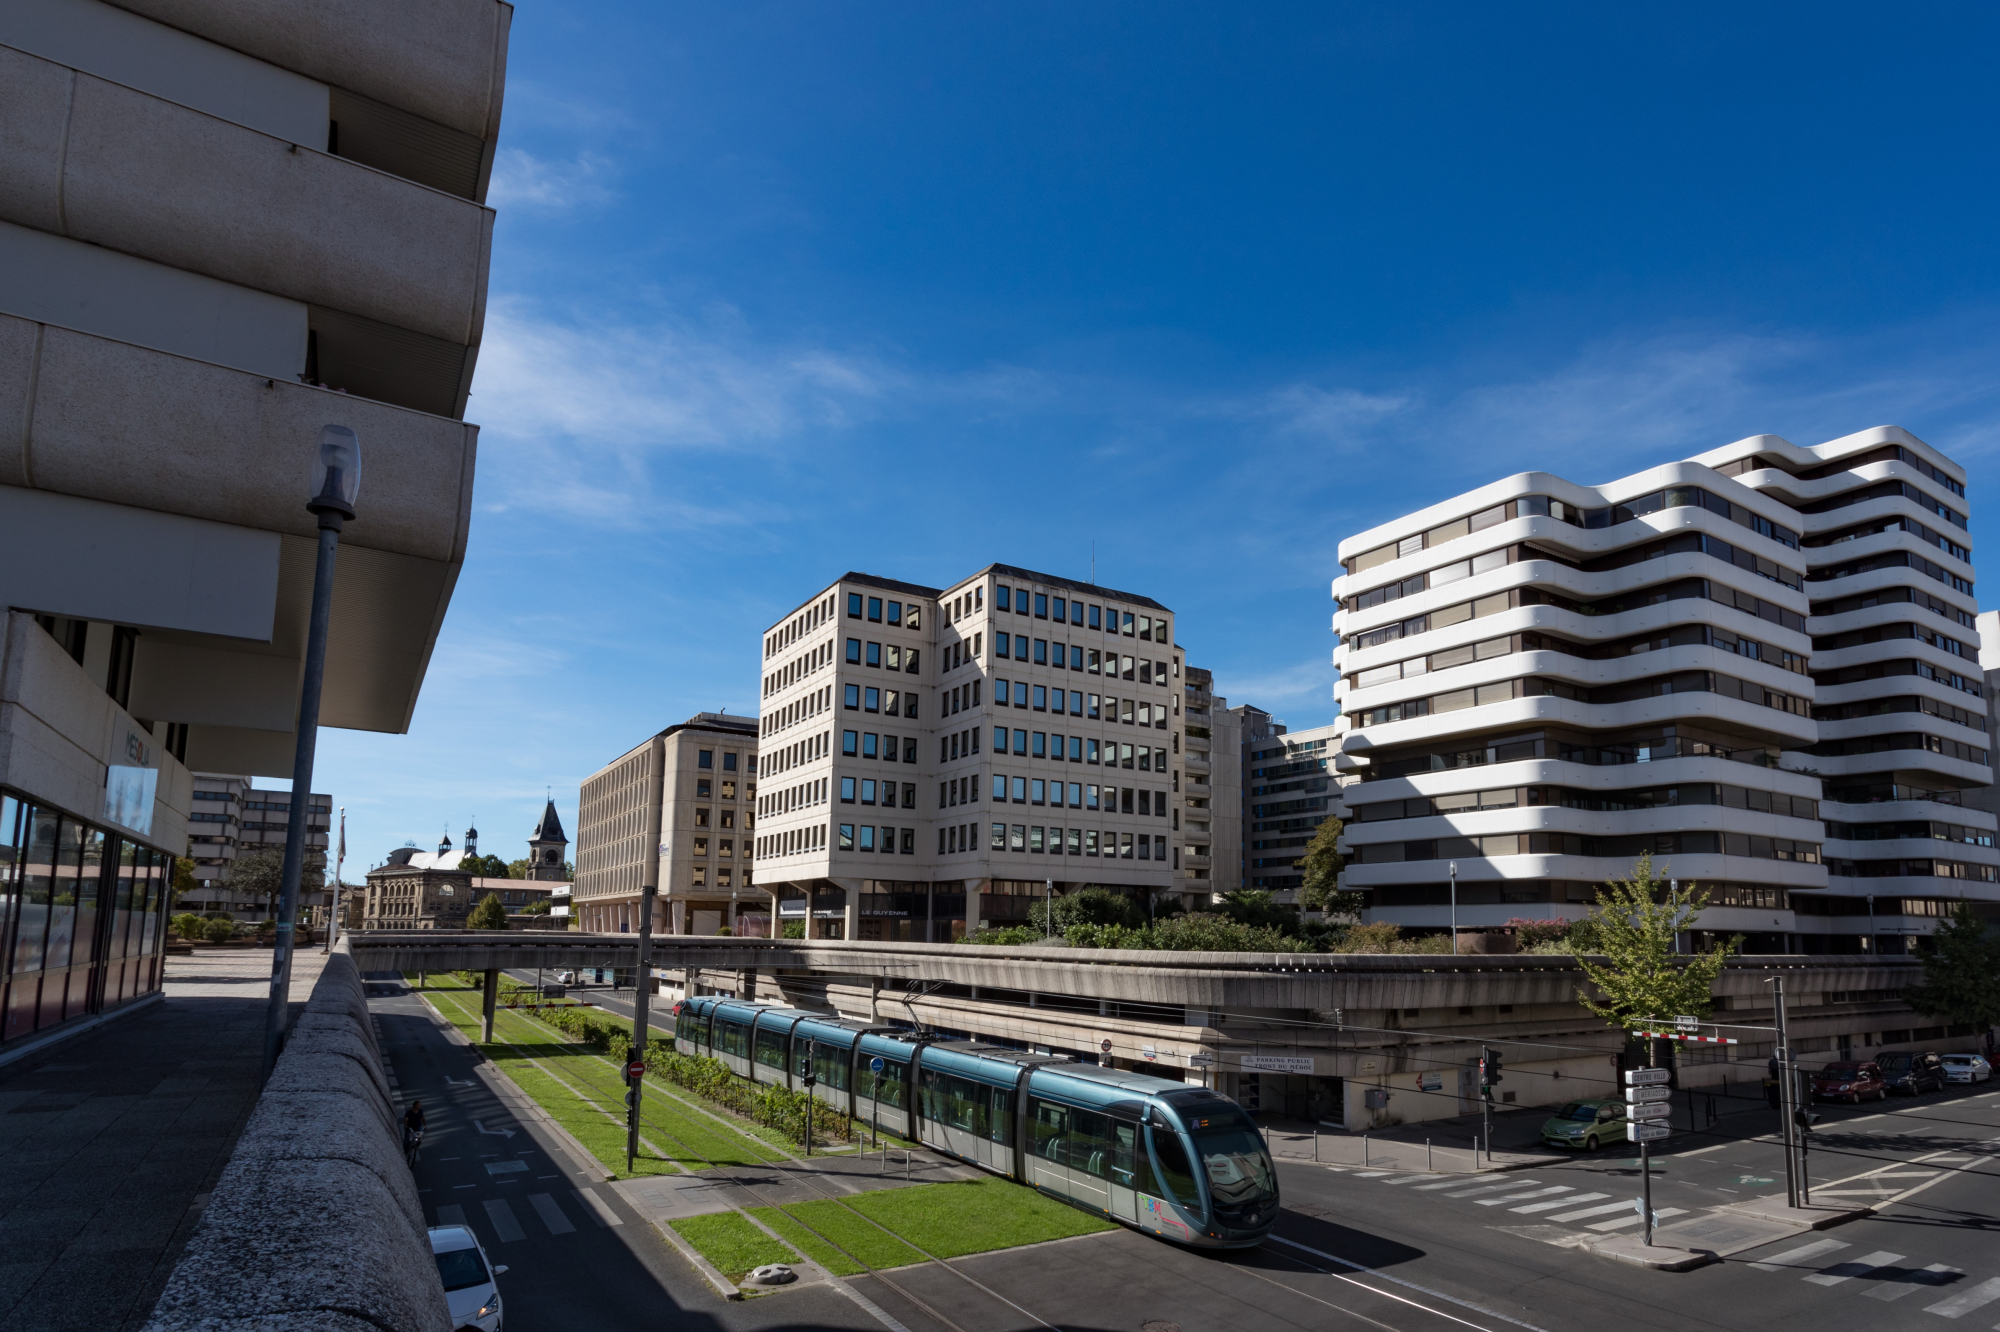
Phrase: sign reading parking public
{"type": "Point", "coordinates": [636, 1069]}
{"type": "Point", "coordinates": [1647, 1077]}
{"type": "Point", "coordinates": [1636, 1131]}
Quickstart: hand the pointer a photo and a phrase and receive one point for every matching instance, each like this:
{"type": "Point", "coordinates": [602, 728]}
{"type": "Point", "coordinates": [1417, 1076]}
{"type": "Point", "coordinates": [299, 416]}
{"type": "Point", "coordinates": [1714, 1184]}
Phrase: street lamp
{"type": "Point", "coordinates": [334, 483]}
{"type": "Point", "coordinates": [1454, 908]}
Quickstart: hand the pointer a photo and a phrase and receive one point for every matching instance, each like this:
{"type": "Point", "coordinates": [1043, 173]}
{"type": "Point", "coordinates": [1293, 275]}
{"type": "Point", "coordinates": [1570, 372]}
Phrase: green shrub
{"type": "Point", "coordinates": [1010, 935]}
{"type": "Point", "coordinates": [794, 929]}
{"type": "Point", "coordinates": [189, 925]}
{"type": "Point", "coordinates": [219, 931]}
{"type": "Point", "coordinates": [1086, 906]}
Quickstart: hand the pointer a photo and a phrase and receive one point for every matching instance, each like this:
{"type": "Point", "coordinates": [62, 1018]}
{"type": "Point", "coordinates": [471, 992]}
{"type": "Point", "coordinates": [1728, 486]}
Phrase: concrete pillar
{"type": "Point", "coordinates": [852, 925]}
{"type": "Point", "coordinates": [746, 984]}
{"type": "Point", "coordinates": [422, 977]}
{"type": "Point", "coordinates": [687, 983]}
{"type": "Point", "coordinates": [680, 909]}
{"type": "Point", "coordinates": [492, 994]}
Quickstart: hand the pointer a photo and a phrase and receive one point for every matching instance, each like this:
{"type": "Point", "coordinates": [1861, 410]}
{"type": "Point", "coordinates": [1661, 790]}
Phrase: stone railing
{"type": "Point", "coordinates": [315, 1222]}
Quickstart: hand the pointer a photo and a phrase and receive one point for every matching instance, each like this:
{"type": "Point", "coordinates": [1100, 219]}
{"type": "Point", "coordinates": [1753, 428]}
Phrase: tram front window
{"type": "Point", "coordinates": [1241, 1183]}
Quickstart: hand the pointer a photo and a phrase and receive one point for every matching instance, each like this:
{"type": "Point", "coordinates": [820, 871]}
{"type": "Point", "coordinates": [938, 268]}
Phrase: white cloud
{"type": "Point", "coordinates": [522, 180]}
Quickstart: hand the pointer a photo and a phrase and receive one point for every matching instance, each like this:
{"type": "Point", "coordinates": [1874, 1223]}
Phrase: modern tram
{"type": "Point", "coordinates": [1180, 1162]}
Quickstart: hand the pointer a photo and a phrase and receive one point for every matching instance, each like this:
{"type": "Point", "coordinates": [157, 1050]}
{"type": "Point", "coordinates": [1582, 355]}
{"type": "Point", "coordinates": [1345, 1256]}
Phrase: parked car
{"type": "Point", "coordinates": [565, 978]}
{"type": "Point", "coordinates": [1966, 1068]}
{"type": "Point", "coordinates": [1849, 1080]}
{"type": "Point", "coordinates": [1586, 1124]}
{"type": "Point", "coordinates": [468, 1278]}
{"type": "Point", "coordinates": [1911, 1074]}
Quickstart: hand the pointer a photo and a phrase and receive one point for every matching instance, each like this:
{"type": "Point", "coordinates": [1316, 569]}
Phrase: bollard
{"type": "Point", "coordinates": [1364, 1150]}
{"type": "Point", "coordinates": [1315, 1146]}
{"type": "Point", "coordinates": [1427, 1153]}
{"type": "Point", "coordinates": [906, 1166]}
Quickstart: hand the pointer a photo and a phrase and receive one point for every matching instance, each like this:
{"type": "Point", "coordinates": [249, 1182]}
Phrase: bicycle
{"type": "Point", "coordinates": [413, 1141]}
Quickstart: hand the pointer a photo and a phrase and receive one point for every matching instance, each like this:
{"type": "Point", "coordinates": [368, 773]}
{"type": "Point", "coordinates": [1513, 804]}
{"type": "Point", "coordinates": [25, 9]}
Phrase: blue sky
{"type": "Point", "coordinates": [781, 290]}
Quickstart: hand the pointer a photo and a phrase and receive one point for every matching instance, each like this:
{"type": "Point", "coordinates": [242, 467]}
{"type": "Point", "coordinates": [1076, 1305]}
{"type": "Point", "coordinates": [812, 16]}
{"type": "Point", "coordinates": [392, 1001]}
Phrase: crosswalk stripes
{"type": "Point", "coordinates": [1937, 1274]}
{"type": "Point", "coordinates": [552, 1215]}
{"type": "Point", "coordinates": [1532, 1208]}
{"type": "Point", "coordinates": [504, 1224]}
{"type": "Point", "coordinates": [1800, 1256]}
{"type": "Point", "coordinates": [1517, 1197]}
{"type": "Point", "coordinates": [1591, 1211]}
{"type": "Point", "coordinates": [1659, 1214]}
{"type": "Point", "coordinates": [1490, 1188]}
{"type": "Point", "coordinates": [1854, 1267]}
{"type": "Point", "coordinates": [1967, 1300]}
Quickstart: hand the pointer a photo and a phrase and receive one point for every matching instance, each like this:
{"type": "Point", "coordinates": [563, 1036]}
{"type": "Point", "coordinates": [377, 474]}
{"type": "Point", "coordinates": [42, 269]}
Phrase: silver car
{"type": "Point", "coordinates": [468, 1278]}
{"type": "Point", "coordinates": [1966, 1068]}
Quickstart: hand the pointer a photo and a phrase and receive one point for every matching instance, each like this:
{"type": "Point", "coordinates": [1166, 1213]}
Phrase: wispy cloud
{"type": "Point", "coordinates": [522, 180]}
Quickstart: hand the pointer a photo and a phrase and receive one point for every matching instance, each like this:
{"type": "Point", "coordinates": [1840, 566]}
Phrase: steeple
{"type": "Point", "coordinates": [546, 847]}
{"type": "Point", "coordinates": [471, 842]}
{"type": "Point", "coordinates": [444, 843]}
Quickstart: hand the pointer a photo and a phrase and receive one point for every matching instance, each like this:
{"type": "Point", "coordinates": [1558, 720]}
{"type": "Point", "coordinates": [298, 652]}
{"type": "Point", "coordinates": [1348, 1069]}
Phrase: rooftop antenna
{"type": "Point", "coordinates": [1093, 563]}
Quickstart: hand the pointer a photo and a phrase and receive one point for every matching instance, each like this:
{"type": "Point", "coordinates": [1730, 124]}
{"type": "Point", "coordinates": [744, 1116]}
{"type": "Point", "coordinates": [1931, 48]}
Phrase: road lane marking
{"type": "Point", "coordinates": [1516, 1197]}
{"type": "Point", "coordinates": [1560, 1202]}
{"type": "Point", "coordinates": [1407, 1285]}
{"type": "Point", "coordinates": [1895, 1288]}
{"type": "Point", "coordinates": [1804, 1253]}
{"type": "Point", "coordinates": [552, 1215]}
{"type": "Point", "coordinates": [1582, 1212]}
{"type": "Point", "coordinates": [1854, 1267]}
{"type": "Point", "coordinates": [1407, 1179]}
{"type": "Point", "coordinates": [1967, 1300]}
{"type": "Point", "coordinates": [504, 1224]}
{"type": "Point", "coordinates": [598, 1209]}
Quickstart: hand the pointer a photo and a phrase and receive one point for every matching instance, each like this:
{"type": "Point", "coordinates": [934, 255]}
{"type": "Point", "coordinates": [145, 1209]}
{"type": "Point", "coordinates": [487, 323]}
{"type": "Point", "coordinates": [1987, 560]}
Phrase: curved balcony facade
{"type": "Point", "coordinates": [1753, 665]}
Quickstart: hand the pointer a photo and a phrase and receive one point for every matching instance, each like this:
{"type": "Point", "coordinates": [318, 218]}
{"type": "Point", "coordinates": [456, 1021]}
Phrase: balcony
{"type": "Point", "coordinates": [1189, 860]}
{"type": "Point", "coordinates": [1195, 762]}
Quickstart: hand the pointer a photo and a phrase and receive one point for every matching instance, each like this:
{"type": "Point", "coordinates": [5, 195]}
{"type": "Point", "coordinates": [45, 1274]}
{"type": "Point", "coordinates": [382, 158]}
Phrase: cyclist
{"type": "Point", "coordinates": [413, 1129]}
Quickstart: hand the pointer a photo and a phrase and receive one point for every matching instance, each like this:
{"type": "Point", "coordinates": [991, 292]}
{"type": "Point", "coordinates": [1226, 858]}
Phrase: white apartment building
{"type": "Point", "coordinates": [1758, 665]}
{"type": "Point", "coordinates": [233, 817]}
{"type": "Point", "coordinates": [934, 759]}
{"type": "Point", "coordinates": [224, 227]}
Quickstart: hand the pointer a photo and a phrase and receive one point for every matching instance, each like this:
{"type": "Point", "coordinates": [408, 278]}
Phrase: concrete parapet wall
{"type": "Point", "coordinates": [315, 1222]}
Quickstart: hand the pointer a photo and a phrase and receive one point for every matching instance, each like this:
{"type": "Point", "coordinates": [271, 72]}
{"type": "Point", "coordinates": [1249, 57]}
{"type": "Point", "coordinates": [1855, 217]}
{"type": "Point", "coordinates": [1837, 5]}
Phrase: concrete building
{"type": "Point", "coordinates": [1213, 799]}
{"type": "Point", "coordinates": [232, 817]}
{"type": "Point", "coordinates": [937, 758]}
{"type": "Point", "coordinates": [1783, 637]}
{"type": "Point", "coordinates": [677, 811]}
{"type": "Point", "coordinates": [1289, 789]}
{"type": "Point", "coordinates": [420, 890]}
{"type": "Point", "coordinates": [224, 226]}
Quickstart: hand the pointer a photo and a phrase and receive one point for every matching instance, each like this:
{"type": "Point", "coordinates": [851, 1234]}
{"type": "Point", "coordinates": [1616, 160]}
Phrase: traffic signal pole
{"type": "Point", "coordinates": [641, 991]}
{"type": "Point", "coordinates": [1646, 1153]}
{"type": "Point", "coordinates": [1787, 1095]}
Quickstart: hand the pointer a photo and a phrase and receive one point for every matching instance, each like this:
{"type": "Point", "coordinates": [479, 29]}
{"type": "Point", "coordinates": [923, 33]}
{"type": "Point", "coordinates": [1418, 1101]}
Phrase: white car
{"type": "Point", "coordinates": [565, 978]}
{"type": "Point", "coordinates": [468, 1278]}
{"type": "Point", "coordinates": [1966, 1068]}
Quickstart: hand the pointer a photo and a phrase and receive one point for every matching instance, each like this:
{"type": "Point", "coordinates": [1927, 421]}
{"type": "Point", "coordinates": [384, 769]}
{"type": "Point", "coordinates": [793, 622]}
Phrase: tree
{"type": "Point", "coordinates": [1085, 906]}
{"type": "Point", "coordinates": [488, 915]}
{"type": "Point", "coordinates": [516, 869]}
{"type": "Point", "coordinates": [184, 880]}
{"type": "Point", "coordinates": [1321, 865]}
{"type": "Point", "coordinates": [1254, 907]}
{"type": "Point", "coordinates": [486, 867]}
{"type": "Point", "coordinates": [1961, 962]}
{"type": "Point", "coordinates": [1633, 927]}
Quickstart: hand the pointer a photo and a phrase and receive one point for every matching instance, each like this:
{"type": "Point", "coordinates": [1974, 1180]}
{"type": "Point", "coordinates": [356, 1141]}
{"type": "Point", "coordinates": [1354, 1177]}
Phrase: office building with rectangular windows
{"type": "Point", "coordinates": [225, 226]}
{"type": "Point", "coordinates": [1758, 666]}
{"type": "Point", "coordinates": [232, 818]}
{"type": "Point", "coordinates": [679, 812]}
{"type": "Point", "coordinates": [935, 758]}
{"type": "Point", "coordinates": [1290, 787]}
{"type": "Point", "coordinates": [1212, 815]}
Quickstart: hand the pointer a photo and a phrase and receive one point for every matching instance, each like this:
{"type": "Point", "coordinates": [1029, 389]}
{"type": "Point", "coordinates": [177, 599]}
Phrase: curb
{"type": "Point", "coordinates": [722, 1284]}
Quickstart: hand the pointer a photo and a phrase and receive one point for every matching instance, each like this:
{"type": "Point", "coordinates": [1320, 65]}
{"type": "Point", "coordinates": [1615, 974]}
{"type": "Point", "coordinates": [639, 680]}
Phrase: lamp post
{"type": "Point", "coordinates": [1454, 908]}
{"type": "Point", "coordinates": [336, 481]}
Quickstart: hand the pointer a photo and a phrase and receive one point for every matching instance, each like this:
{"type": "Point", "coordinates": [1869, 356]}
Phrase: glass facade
{"type": "Point", "coordinates": [83, 913]}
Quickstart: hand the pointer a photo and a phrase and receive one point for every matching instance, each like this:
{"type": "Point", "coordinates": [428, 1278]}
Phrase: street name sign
{"type": "Point", "coordinates": [1635, 1132]}
{"type": "Point", "coordinates": [1647, 1077]}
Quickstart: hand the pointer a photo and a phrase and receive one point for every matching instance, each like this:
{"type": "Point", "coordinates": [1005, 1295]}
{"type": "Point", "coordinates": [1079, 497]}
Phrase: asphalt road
{"type": "Point", "coordinates": [577, 1256]}
{"type": "Point", "coordinates": [1419, 1252]}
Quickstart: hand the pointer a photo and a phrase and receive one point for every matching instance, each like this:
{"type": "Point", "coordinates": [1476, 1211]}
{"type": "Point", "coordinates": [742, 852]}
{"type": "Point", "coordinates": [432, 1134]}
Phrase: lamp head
{"type": "Point", "coordinates": [336, 471]}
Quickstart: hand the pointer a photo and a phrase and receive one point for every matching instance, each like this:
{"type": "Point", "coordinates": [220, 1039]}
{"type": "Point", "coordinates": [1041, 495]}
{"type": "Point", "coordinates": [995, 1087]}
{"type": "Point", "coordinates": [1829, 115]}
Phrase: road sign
{"type": "Point", "coordinates": [1655, 1110]}
{"type": "Point", "coordinates": [1687, 1022]}
{"type": "Point", "coordinates": [1105, 1045]}
{"type": "Point", "coordinates": [1646, 1077]}
{"type": "Point", "coordinates": [1200, 1059]}
{"type": "Point", "coordinates": [636, 1069]}
{"type": "Point", "coordinates": [1635, 1132]}
{"type": "Point", "coordinates": [876, 1065]}
{"type": "Point", "coordinates": [1647, 1095]}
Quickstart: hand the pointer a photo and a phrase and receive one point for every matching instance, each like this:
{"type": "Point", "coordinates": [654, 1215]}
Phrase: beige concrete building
{"type": "Point", "coordinates": [678, 811]}
{"type": "Point", "coordinates": [233, 818]}
{"type": "Point", "coordinates": [1212, 818]}
{"type": "Point", "coordinates": [223, 227]}
{"type": "Point", "coordinates": [1290, 788]}
{"type": "Point", "coordinates": [938, 758]}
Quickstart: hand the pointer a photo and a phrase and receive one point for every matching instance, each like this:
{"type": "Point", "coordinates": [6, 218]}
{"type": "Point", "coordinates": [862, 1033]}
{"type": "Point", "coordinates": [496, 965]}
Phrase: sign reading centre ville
{"type": "Point", "coordinates": [1276, 1064]}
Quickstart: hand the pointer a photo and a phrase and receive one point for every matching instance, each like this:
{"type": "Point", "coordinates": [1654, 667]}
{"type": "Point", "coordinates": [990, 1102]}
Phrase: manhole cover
{"type": "Point", "coordinates": [1159, 1325]}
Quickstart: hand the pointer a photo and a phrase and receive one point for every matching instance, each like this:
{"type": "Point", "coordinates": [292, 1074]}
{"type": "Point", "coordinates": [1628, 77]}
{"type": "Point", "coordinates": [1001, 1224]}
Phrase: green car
{"type": "Point", "coordinates": [1586, 1124]}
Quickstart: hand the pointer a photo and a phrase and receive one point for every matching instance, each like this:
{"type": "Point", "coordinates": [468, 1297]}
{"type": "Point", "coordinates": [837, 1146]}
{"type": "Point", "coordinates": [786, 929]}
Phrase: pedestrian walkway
{"type": "Point", "coordinates": [1584, 1211]}
{"type": "Point", "coordinates": [111, 1142]}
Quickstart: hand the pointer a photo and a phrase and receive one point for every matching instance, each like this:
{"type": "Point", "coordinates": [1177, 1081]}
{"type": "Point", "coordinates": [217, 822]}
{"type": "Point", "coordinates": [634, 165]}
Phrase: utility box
{"type": "Point", "coordinates": [1375, 1098]}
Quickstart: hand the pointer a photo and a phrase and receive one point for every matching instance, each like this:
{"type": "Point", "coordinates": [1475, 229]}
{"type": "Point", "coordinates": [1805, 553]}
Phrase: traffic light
{"type": "Point", "coordinates": [1486, 1065]}
{"type": "Point", "coordinates": [1492, 1067]}
{"type": "Point", "coordinates": [1805, 1119]}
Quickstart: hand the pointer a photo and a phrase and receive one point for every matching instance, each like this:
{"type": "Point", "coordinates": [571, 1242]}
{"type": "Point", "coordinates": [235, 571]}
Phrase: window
{"type": "Point", "coordinates": [1020, 693]}
{"type": "Point", "coordinates": [1159, 846]}
{"type": "Point", "coordinates": [868, 837]}
{"type": "Point", "coordinates": [873, 698]}
{"type": "Point", "coordinates": [909, 842]}
{"type": "Point", "coordinates": [1145, 758]}
{"type": "Point", "coordinates": [975, 694]}
{"type": "Point", "coordinates": [1125, 708]}
{"type": "Point", "coordinates": [1096, 659]}
{"type": "Point", "coordinates": [728, 762]}
{"type": "Point", "coordinates": [1037, 792]}
{"type": "Point", "coordinates": [1042, 651]}
{"type": "Point", "coordinates": [1020, 790]}
{"type": "Point", "coordinates": [895, 657]}
{"type": "Point", "coordinates": [1076, 749]}
{"type": "Point", "coordinates": [892, 702]}
{"type": "Point", "coordinates": [853, 613]}
{"type": "Point", "coordinates": [1128, 624]}
{"type": "Point", "coordinates": [1056, 700]}
{"type": "Point", "coordinates": [1076, 795]}
{"type": "Point", "coordinates": [999, 842]}
{"type": "Point", "coordinates": [1041, 606]}
{"type": "Point", "coordinates": [701, 818]}
{"type": "Point", "coordinates": [704, 758]}
{"type": "Point", "coordinates": [847, 790]}
{"type": "Point", "coordinates": [875, 609]}
{"type": "Point", "coordinates": [895, 612]}
{"type": "Point", "coordinates": [910, 664]}
{"type": "Point", "coordinates": [1020, 742]}
{"type": "Point", "coordinates": [1017, 839]}
{"type": "Point", "coordinates": [1041, 698]}
{"type": "Point", "coordinates": [909, 795]}
{"type": "Point", "coordinates": [875, 654]}
{"type": "Point", "coordinates": [999, 739]}
{"type": "Point", "coordinates": [854, 650]}
{"type": "Point", "coordinates": [868, 790]}
{"type": "Point", "coordinates": [703, 788]}
{"type": "Point", "coordinates": [1035, 839]}
{"type": "Point", "coordinates": [1159, 759]}
{"type": "Point", "coordinates": [1001, 602]}
{"type": "Point", "coordinates": [728, 786]}
{"type": "Point", "coordinates": [1146, 672]}
{"type": "Point", "coordinates": [999, 787]}
{"type": "Point", "coordinates": [1094, 620]}
{"type": "Point", "coordinates": [868, 743]}
{"type": "Point", "coordinates": [848, 742]}
{"type": "Point", "coordinates": [1090, 834]}
{"type": "Point", "coordinates": [1090, 796]}
{"type": "Point", "coordinates": [1090, 751]}
{"type": "Point", "coordinates": [1125, 839]}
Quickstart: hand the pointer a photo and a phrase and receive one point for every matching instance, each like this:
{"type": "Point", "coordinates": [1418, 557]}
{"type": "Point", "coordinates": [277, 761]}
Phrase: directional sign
{"type": "Point", "coordinates": [1647, 1095]}
{"type": "Point", "coordinates": [1646, 1132]}
{"type": "Point", "coordinates": [636, 1069]}
{"type": "Point", "coordinates": [1657, 1110]}
{"type": "Point", "coordinates": [1687, 1022]}
{"type": "Point", "coordinates": [1647, 1077]}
